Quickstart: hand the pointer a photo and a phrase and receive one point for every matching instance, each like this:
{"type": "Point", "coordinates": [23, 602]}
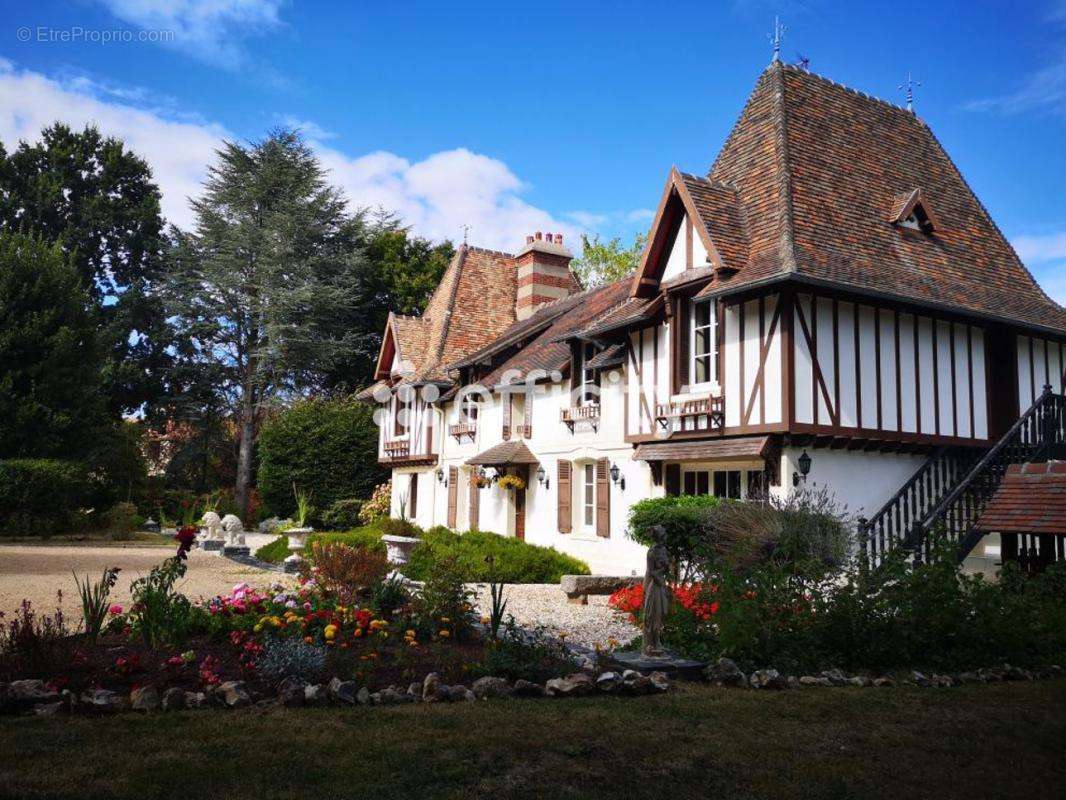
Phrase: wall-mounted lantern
{"type": "Point", "coordinates": [542, 477]}
{"type": "Point", "coordinates": [617, 477]}
{"type": "Point", "coordinates": [804, 462]}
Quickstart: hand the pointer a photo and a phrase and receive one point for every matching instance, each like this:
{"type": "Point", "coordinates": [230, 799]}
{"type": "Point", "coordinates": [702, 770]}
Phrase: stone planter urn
{"type": "Point", "coordinates": [398, 548]}
{"type": "Point", "coordinates": [297, 541]}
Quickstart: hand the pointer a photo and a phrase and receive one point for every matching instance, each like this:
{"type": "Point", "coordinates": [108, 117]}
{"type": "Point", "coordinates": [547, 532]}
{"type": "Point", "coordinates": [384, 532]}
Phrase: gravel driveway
{"type": "Point", "coordinates": [37, 572]}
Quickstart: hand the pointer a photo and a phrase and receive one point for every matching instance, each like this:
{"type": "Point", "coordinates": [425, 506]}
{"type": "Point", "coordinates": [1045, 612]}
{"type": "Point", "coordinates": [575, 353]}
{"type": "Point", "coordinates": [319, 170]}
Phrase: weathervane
{"type": "Point", "coordinates": [776, 37]}
{"type": "Point", "coordinates": [803, 62]}
{"type": "Point", "coordinates": [466, 230]}
{"type": "Point", "coordinates": [909, 86]}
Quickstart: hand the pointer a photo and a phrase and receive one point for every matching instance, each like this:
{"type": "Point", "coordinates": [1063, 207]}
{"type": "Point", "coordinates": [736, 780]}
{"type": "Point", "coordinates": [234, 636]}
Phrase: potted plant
{"type": "Point", "coordinates": [398, 546]}
{"type": "Point", "coordinates": [297, 534]}
{"type": "Point", "coordinates": [511, 482]}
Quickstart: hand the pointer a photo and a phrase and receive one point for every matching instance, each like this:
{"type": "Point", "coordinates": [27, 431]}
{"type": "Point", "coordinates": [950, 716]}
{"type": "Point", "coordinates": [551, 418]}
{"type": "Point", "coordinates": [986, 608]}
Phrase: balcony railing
{"type": "Point", "coordinates": [397, 448]}
{"type": "Point", "coordinates": [461, 429]}
{"type": "Point", "coordinates": [575, 414]}
{"type": "Point", "coordinates": [679, 412]}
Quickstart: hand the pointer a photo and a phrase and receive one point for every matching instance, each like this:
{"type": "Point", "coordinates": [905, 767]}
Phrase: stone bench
{"type": "Point", "coordinates": [579, 587]}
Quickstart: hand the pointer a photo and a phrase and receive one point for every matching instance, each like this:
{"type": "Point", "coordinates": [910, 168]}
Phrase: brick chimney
{"type": "Point", "coordinates": [543, 272]}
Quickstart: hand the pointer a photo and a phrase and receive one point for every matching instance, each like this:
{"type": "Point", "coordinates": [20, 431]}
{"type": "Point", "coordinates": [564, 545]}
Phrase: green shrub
{"type": "Point", "coordinates": [122, 521]}
{"type": "Point", "coordinates": [39, 496]}
{"type": "Point", "coordinates": [277, 550]}
{"type": "Point", "coordinates": [326, 447]}
{"type": "Point", "coordinates": [513, 561]}
{"type": "Point", "coordinates": [342, 515]}
{"type": "Point", "coordinates": [684, 517]}
{"type": "Point", "coordinates": [390, 526]}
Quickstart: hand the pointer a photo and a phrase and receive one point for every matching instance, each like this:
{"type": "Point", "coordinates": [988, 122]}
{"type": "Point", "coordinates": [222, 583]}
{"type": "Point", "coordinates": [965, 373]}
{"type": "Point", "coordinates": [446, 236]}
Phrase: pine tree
{"type": "Point", "coordinates": [261, 288]}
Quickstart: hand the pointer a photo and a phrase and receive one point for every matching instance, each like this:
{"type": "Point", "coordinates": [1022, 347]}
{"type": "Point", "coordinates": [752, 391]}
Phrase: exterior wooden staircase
{"type": "Point", "coordinates": [950, 490]}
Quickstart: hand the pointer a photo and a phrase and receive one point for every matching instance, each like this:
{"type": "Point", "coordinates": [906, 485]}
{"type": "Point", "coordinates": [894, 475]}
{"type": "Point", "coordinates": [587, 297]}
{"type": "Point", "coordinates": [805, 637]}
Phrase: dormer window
{"type": "Point", "coordinates": [912, 211]}
{"type": "Point", "coordinates": [586, 381]}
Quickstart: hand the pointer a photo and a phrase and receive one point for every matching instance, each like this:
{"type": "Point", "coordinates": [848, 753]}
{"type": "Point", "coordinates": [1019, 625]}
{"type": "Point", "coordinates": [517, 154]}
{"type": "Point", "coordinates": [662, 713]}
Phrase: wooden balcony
{"type": "Point", "coordinates": [397, 453]}
{"type": "Point", "coordinates": [461, 429]}
{"type": "Point", "coordinates": [575, 414]}
{"type": "Point", "coordinates": [676, 414]}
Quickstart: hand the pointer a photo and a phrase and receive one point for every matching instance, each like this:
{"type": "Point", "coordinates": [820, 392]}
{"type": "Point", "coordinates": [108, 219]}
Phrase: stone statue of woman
{"type": "Point", "coordinates": [656, 593]}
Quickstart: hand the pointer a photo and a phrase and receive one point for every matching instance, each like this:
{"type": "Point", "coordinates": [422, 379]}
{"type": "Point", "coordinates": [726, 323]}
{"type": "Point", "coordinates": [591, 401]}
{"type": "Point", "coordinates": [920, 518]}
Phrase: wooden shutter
{"type": "Point", "coordinates": [453, 495]}
{"type": "Point", "coordinates": [412, 497]}
{"type": "Point", "coordinates": [672, 473]}
{"type": "Point", "coordinates": [565, 491]}
{"type": "Point", "coordinates": [682, 356]}
{"type": "Point", "coordinates": [475, 498]}
{"type": "Point", "coordinates": [505, 399]}
{"type": "Point", "coordinates": [603, 500]}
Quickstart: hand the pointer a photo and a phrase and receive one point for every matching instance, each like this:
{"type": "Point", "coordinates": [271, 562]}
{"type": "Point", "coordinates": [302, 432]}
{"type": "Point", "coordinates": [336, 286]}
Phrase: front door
{"type": "Point", "coordinates": [520, 514]}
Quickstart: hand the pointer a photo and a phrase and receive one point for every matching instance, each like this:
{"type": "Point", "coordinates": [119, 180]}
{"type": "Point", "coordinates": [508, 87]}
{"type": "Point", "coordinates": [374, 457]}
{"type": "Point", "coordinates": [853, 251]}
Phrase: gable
{"type": "Point", "coordinates": [686, 252]}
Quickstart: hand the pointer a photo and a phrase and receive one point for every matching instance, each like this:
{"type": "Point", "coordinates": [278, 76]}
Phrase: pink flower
{"type": "Point", "coordinates": [116, 609]}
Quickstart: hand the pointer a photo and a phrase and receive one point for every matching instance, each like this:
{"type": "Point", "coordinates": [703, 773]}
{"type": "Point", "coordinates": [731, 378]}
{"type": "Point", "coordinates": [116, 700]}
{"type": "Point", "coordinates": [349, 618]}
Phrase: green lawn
{"type": "Point", "coordinates": [1005, 740]}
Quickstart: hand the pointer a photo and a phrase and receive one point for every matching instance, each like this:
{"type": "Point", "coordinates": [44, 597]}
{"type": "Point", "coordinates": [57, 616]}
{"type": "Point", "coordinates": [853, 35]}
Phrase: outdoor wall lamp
{"type": "Point", "coordinates": [617, 477]}
{"type": "Point", "coordinates": [804, 468]}
{"type": "Point", "coordinates": [440, 477]}
{"type": "Point", "coordinates": [542, 477]}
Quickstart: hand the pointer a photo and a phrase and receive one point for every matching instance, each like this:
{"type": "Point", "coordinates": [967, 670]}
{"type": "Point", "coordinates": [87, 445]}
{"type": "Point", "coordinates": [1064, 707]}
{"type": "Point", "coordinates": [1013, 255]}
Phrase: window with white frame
{"type": "Point", "coordinates": [588, 495]}
{"type": "Point", "coordinates": [587, 381]}
{"type": "Point", "coordinates": [470, 407]}
{"type": "Point", "coordinates": [704, 343]}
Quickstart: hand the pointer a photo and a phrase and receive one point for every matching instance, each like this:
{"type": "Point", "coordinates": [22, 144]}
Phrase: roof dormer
{"type": "Point", "coordinates": [911, 210]}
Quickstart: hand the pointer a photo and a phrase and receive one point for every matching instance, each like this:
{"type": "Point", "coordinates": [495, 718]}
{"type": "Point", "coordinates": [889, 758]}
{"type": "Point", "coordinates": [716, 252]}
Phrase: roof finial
{"type": "Point", "coordinates": [776, 37]}
{"type": "Point", "coordinates": [466, 230]}
{"type": "Point", "coordinates": [803, 62]}
{"type": "Point", "coordinates": [909, 86]}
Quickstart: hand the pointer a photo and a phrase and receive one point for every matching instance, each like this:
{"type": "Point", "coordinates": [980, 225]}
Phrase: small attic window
{"type": "Point", "coordinates": [914, 213]}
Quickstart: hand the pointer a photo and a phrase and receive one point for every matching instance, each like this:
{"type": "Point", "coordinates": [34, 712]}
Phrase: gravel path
{"type": "Point", "coordinates": [36, 573]}
{"type": "Point", "coordinates": [544, 604]}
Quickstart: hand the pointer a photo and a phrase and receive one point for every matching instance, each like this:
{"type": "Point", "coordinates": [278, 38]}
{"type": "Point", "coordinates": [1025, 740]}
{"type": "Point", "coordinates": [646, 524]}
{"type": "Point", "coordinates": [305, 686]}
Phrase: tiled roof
{"type": "Point", "coordinates": [819, 169]}
{"type": "Point", "coordinates": [630, 311]}
{"type": "Point", "coordinates": [610, 356]}
{"type": "Point", "coordinates": [549, 351]}
{"type": "Point", "coordinates": [473, 305]}
{"type": "Point", "coordinates": [738, 448]}
{"type": "Point", "coordinates": [1031, 499]}
{"type": "Point", "coordinates": [512, 452]}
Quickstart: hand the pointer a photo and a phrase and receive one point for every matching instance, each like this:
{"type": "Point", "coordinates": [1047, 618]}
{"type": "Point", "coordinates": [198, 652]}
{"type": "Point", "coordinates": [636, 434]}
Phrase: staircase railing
{"type": "Point", "coordinates": [950, 491]}
{"type": "Point", "coordinates": [893, 525]}
{"type": "Point", "coordinates": [1038, 434]}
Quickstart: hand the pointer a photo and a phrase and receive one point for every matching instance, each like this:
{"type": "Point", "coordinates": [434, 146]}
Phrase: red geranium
{"type": "Point", "coordinates": [630, 600]}
{"type": "Point", "coordinates": [185, 536]}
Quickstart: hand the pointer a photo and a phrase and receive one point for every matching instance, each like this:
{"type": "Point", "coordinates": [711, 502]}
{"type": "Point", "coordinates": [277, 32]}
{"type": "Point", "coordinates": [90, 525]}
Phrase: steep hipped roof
{"type": "Point", "coordinates": [1031, 499]}
{"type": "Point", "coordinates": [809, 186]}
{"type": "Point", "coordinates": [818, 167]}
{"type": "Point", "coordinates": [473, 304]}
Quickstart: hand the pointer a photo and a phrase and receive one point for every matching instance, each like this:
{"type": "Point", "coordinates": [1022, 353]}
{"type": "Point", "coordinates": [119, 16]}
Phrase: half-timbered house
{"type": "Point", "coordinates": [829, 305]}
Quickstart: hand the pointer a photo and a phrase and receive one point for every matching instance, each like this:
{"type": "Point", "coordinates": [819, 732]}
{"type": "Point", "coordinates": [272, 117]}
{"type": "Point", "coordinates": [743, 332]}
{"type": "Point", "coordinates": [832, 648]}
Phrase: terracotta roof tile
{"type": "Point", "coordinates": [818, 169]}
{"type": "Point", "coordinates": [1031, 499]}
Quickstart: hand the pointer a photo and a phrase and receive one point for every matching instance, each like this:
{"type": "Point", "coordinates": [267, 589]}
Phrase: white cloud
{"type": "Point", "coordinates": [311, 131]}
{"type": "Point", "coordinates": [1040, 249]}
{"type": "Point", "coordinates": [613, 223]}
{"type": "Point", "coordinates": [436, 196]}
{"type": "Point", "coordinates": [210, 30]}
{"type": "Point", "coordinates": [176, 150]}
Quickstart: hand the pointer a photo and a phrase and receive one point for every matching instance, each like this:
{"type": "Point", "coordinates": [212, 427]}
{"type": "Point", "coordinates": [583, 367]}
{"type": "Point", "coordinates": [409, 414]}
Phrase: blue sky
{"type": "Point", "coordinates": [554, 116]}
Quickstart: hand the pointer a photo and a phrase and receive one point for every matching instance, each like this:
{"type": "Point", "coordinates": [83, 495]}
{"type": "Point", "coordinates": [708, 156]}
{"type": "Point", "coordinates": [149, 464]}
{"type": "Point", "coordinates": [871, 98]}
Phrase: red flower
{"type": "Point", "coordinates": [185, 537]}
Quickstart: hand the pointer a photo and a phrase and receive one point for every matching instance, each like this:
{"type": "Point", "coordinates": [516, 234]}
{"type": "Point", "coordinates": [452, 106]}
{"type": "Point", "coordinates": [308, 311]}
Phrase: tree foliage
{"type": "Point", "coordinates": [51, 401]}
{"type": "Point", "coordinates": [97, 202]}
{"type": "Point", "coordinates": [605, 262]}
{"type": "Point", "coordinates": [326, 447]}
{"type": "Point", "coordinates": [261, 287]}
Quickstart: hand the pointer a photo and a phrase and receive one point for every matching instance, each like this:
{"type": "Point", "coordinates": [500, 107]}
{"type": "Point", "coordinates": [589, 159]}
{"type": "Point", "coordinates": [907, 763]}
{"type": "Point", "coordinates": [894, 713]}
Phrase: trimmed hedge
{"type": "Point", "coordinates": [326, 447]}
{"type": "Point", "coordinates": [38, 496]}
{"type": "Point", "coordinates": [278, 550]}
{"type": "Point", "coordinates": [514, 561]}
{"type": "Point", "coordinates": [683, 516]}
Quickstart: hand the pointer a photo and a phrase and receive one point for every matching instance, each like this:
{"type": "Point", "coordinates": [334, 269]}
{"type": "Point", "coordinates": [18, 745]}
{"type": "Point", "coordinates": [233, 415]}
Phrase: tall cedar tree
{"type": "Point", "coordinates": [261, 288]}
{"type": "Point", "coordinates": [51, 403]}
{"type": "Point", "coordinates": [98, 202]}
